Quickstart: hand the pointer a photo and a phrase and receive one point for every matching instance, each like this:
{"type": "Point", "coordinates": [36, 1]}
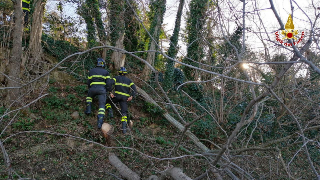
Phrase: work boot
{"type": "Point", "coordinates": [100, 120]}
{"type": "Point", "coordinates": [124, 127]}
{"type": "Point", "coordinates": [88, 108]}
{"type": "Point", "coordinates": [110, 112]}
{"type": "Point", "coordinates": [124, 124]}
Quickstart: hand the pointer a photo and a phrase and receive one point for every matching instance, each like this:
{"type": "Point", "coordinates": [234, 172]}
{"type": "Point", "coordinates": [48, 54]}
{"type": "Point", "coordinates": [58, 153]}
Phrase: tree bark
{"type": "Point", "coordinates": [155, 30]}
{"type": "Point", "coordinates": [118, 58]}
{"type": "Point", "coordinates": [172, 52]}
{"type": "Point", "coordinates": [36, 31]}
{"type": "Point", "coordinates": [122, 168]}
{"type": "Point", "coordinates": [117, 33]}
{"type": "Point", "coordinates": [177, 174]}
{"type": "Point", "coordinates": [16, 53]}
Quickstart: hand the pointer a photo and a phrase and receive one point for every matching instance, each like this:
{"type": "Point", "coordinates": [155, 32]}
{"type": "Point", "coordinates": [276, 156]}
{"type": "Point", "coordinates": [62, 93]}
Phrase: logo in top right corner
{"type": "Point", "coordinates": [289, 33]}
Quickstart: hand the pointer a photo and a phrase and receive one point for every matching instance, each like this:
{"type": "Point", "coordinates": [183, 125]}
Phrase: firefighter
{"type": "Point", "coordinates": [124, 92]}
{"type": "Point", "coordinates": [99, 83]}
{"type": "Point", "coordinates": [26, 11]}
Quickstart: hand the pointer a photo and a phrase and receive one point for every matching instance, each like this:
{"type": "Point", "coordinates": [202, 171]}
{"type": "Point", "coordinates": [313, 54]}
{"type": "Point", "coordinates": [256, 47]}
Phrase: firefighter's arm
{"type": "Point", "coordinates": [89, 80]}
{"type": "Point", "coordinates": [111, 86]}
{"type": "Point", "coordinates": [133, 90]}
{"type": "Point", "coordinates": [109, 83]}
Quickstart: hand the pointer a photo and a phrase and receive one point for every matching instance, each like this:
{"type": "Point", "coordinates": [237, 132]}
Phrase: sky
{"type": "Point", "coordinates": [283, 8]}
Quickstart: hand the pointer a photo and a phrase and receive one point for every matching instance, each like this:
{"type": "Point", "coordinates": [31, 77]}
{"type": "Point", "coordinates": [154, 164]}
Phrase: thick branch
{"type": "Point", "coordinates": [122, 168]}
{"type": "Point", "coordinates": [177, 174]}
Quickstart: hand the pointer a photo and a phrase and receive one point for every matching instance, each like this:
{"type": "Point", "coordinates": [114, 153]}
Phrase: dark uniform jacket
{"type": "Point", "coordinates": [124, 86]}
{"type": "Point", "coordinates": [26, 10]}
{"type": "Point", "coordinates": [26, 5]}
{"type": "Point", "coordinates": [99, 76]}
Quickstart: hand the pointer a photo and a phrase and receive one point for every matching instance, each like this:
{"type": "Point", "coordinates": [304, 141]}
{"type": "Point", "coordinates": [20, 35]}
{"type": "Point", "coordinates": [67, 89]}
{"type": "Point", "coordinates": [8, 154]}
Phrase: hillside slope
{"type": "Point", "coordinates": [54, 139]}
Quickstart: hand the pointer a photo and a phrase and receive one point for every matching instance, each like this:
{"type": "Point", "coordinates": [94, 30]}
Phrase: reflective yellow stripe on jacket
{"type": "Point", "coordinates": [98, 76]}
{"type": "Point", "coordinates": [121, 93]}
{"type": "Point", "coordinates": [121, 84]}
{"type": "Point", "coordinates": [26, 9]}
{"type": "Point", "coordinates": [126, 85]}
{"type": "Point", "coordinates": [26, 1]}
{"type": "Point", "coordinates": [99, 83]}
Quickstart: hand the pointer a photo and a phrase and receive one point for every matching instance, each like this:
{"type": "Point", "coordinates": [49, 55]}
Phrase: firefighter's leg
{"type": "Point", "coordinates": [108, 107]}
{"type": "Point", "coordinates": [124, 112]}
{"type": "Point", "coordinates": [101, 112]}
{"type": "Point", "coordinates": [88, 103]}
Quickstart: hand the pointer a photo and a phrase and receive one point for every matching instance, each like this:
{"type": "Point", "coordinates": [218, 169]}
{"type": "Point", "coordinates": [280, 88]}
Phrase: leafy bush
{"type": "Point", "coordinates": [55, 102]}
{"type": "Point", "coordinates": [81, 89]}
{"type": "Point", "coordinates": [24, 124]}
{"type": "Point", "coordinates": [154, 110]}
{"type": "Point", "coordinates": [53, 89]}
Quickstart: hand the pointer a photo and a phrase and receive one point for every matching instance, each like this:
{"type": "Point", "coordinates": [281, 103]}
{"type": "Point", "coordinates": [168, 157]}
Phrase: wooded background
{"type": "Point", "coordinates": [218, 96]}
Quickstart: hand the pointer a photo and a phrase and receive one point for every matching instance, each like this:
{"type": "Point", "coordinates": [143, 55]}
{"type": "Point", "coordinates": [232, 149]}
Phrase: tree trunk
{"type": "Point", "coordinates": [177, 174]}
{"type": "Point", "coordinates": [16, 53]}
{"type": "Point", "coordinates": [99, 25]}
{"type": "Point", "coordinates": [36, 32]}
{"type": "Point", "coordinates": [118, 58]}
{"type": "Point", "coordinates": [172, 52]}
{"type": "Point", "coordinates": [196, 21]}
{"type": "Point", "coordinates": [117, 33]}
{"type": "Point", "coordinates": [122, 168]}
{"type": "Point", "coordinates": [155, 29]}
{"type": "Point", "coordinates": [150, 60]}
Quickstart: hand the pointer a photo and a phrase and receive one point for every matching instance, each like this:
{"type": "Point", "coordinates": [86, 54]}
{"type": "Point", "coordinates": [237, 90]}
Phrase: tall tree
{"type": "Point", "coordinates": [195, 23]}
{"type": "Point", "coordinates": [117, 32]}
{"type": "Point", "coordinates": [96, 14]}
{"type": "Point", "coordinates": [36, 30]}
{"type": "Point", "coordinates": [131, 37]}
{"type": "Point", "coordinates": [172, 52]}
{"type": "Point", "coordinates": [16, 53]}
{"type": "Point", "coordinates": [157, 9]}
{"type": "Point", "coordinates": [90, 12]}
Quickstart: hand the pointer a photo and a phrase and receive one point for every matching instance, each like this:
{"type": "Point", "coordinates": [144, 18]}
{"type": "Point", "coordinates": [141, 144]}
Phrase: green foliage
{"type": "Point", "coordinates": [116, 19]}
{"type": "Point", "coordinates": [56, 115]}
{"type": "Point", "coordinates": [232, 47]}
{"type": "Point", "coordinates": [178, 77]}
{"type": "Point", "coordinates": [92, 16]}
{"type": "Point", "coordinates": [267, 77]}
{"type": "Point", "coordinates": [97, 17]}
{"type": "Point", "coordinates": [160, 140]}
{"type": "Point", "coordinates": [53, 89]}
{"type": "Point", "coordinates": [173, 49]}
{"type": "Point", "coordinates": [135, 35]}
{"type": "Point", "coordinates": [81, 89]}
{"type": "Point", "coordinates": [24, 124]}
{"type": "Point", "coordinates": [56, 102]}
{"type": "Point", "coordinates": [132, 28]}
{"type": "Point", "coordinates": [6, 6]}
{"type": "Point", "coordinates": [2, 110]}
{"type": "Point", "coordinates": [153, 109]}
{"type": "Point", "coordinates": [58, 48]}
{"type": "Point", "coordinates": [205, 128]}
{"type": "Point", "coordinates": [156, 14]}
{"type": "Point", "coordinates": [51, 81]}
{"type": "Point", "coordinates": [195, 23]}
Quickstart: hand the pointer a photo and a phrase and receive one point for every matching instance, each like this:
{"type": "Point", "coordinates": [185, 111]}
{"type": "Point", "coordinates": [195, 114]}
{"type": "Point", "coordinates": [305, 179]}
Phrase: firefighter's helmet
{"type": "Point", "coordinates": [101, 62]}
{"type": "Point", "coordinates": [123, 70]}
